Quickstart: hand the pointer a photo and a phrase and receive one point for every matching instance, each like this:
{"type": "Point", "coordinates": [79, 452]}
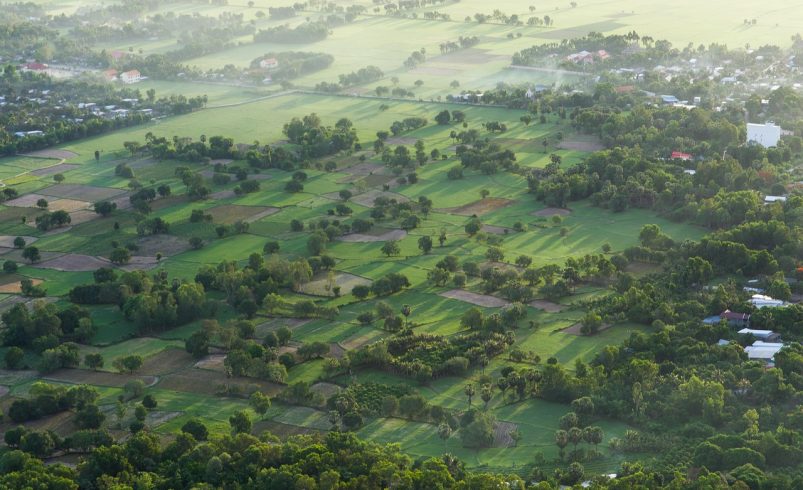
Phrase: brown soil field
{"type": "Point", "coordinates": [366, 238]}
{"type": "Point", "coordinates": [474, 298]}
{"type": "Point", "coordinates": [345, 280]}
{"type": "Point", "coordinates": [53, 153]}
{"type": "Point", "coordinates": [68, 205]}
{"type": "Point", "coordinates": [73, 263]}
{"type": "Point", "coordinates": [547, 306]}
{"type": "Point", "coordinates": [282, 431]}
{"type": "Point", "coordinates": [579, 145]}
{"type": "Point", "coordinates": [16, 287]}
{"type": "Point", "coordinates": [208, 382]}
{"type": "Point", "coordinates": [167, 245]}
{"type": "Point", "coordinates": [231, 213]}
{"type": "Point", "coordinates": [575, 329]}
{"type": "Point", "coordinates": [481, 207]}
{"type": "Point", "coordinates": [80, 191]}
{"type": "Point", "coordinates": [167, 361]}
{"type": "Point", "coordinates": [336, 350]}
{"type": "Point", "coordinates": [27, 201]}
{"type": "Point", "coordinates": [55, 169]}
{"type": "Point", "coordinates": [83, 216]}
{"type": "Point", "coordinates": [549, 212]}
{"type": "Point", "coordinates": [221, 195]}
{"type": "Point", "coordinates": [365, 168]}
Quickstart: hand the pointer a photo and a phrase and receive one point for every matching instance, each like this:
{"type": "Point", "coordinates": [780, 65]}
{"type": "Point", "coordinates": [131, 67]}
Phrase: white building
{"type": "Point", "coordinates": [132, 76]}
{"type": "Point", "coordinates": [269, 63]}
{"type": "Point", "coordinates": [765, 135]}
{"type": "Point", "coordinates": [763, 351]}
{"type": "Point", "coordinates": [764, 335]}
{"type": "Point", "coordinates": [763, 301]}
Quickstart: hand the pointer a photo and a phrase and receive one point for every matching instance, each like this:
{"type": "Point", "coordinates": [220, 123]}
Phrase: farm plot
{"type": "Point", "coordinates": [55, 169]}
{"type": "Point", "coordinates": [26, 201]}
{"type": "Point", "coordinates": [547, 306]}
{"type": "Point", "coordinates": [577, 329]}
{"type": "Point", "coordinates": [82, 216]}
{"type": "Point", "coordinates": [7, 241]}
{"type": "Point", "coordinates": [323, 285]}
{"type": "Point", "coordinates": [231, 213]}
{"type": "Point", "coordinates": [206, 382]}
{"type": "Point", "coordinates": [496, 230]}
{"type": "Point", "coordinates": [212, 362]}
{"type": "Point", "coordinates": [481, 207]}
{"type": "Point", "coordinates": [304, 417]}
{"type": "Point", "coordinates": [474, 298]}
{"type": "Point", "coordinates": [55, 154]}
{"type": "Point", "coordinates": [79, 191]}
{"type": "Point", "coordinates": [14, 286]}
{"type": "Point", "coordinates": [73, 263]}
{"type": "Point", "coordinates": [368, 238]}
{"type": "Point", "coordinates": [97, 378]}
{"type": "Point", "coordinates": [167, 245]}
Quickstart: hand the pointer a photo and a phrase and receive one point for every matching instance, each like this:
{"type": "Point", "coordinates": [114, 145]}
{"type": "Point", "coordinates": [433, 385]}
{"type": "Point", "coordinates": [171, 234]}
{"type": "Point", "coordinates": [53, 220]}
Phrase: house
{"type": "Point", "coordinates": [132, 76]}
{"type": "Point", "coordinates": [669, 99]}
{"type": "Point", "coordinates": [772, 199]}
{"type": "Point", "coordinates": [268, 63]}
{"type": "Point", "coordinates": [763, 351]}
{"type": "Point", "coordinates": [735, 319]}
{"type": "Point", "coordinates": [766, 135]}
{"type": "Point", "coordinates": [34, 66]}
{"type": "Point", "coordinates": [110, 74]}
{"type": "Point", "coordinates": [763, 301]}
{"type": "Point", "coordinates": [689, 171]}
{"type": "Point", "coordinates": [581, 57]}
{"type": "Point", "coordinates": [764, 335]}
{"type": "Point", "coordinates": [677, 155]}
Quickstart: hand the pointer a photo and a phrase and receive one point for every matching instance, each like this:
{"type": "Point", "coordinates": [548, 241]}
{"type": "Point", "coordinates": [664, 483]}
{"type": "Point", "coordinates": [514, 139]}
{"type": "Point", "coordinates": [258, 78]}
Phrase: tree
{"type": "Point", "coordinates": [470, 391]}
{"type": "Point", "coordinates": [149, 402]}
{"type": "Point", "coordinates": [89, 417]}
{"type": "Point", "coordinates": [42, 203]}
{"type": "Point", "coordinates": [561, 440]}
{"type": "Point", "coordinates": [105, 208]}
{"type": "Point", "coordinates": [316, 243]}
{"type": "Point", "coordinates": [129, 364]}
{"type": "Point", "coordinates": [94, 361]}
{"type": "Point", "coordinates": [120, 256]}
{"type": "Point", "coordinates": [196, 429]}
{"type": "Point", "coordinates": [486, 393]}
{"type": "Point", "coordinates": [10, 267]}
{"type": "Point", "coordinates": [31, 254]}
{"type": "Point", "coordinates": [19, 242]}
{"type": "Point", "coordinates": [260, 403]}
{"type": "Point", "coordinates": [14, 357]}
{"type": "Point", "coordinates": [444, 432]}
{"type": "Point", "coordinates": [391, 247]}
{"type": "Point", "coordinates": [58, 178]}
{"type": "Point", "coordinates": [425, 243]}
{"type": "Point", "coordinates": [240, 422]}
{"type": "Point", "coordinates": [443, 117]}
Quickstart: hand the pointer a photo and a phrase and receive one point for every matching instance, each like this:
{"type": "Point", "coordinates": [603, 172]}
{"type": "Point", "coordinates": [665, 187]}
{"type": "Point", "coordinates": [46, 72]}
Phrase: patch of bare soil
{"type": "Point", "coordinates": [54, 154]}
{"type": "Point", "coordinates": [496, 230]}
{"type": "Point", "coordinates": [222, 161]}
{"type": "Point", "coordinates": [7, 241]}
{"type": "Point", "coordinates": [474, 298]}
{"type": "Point", "coordinates": [502, 432]}
{"type": "Point", "coordinates": [367, 198]}
{"type": "Point", "coordinates": [68, 205]}
{"type": "Point", "coordinates": [365, 168]}
{"type": "Point", "coordinates": [204, 381]}
{"type": "Point", "coordinates": [325, 389]}
{"type": "Point", "coordinates": [16, 287]}
{"type": "Point", "coordinates": [83, 216]}
{"type": "Point", "coordinates": [347, 282]}
{"type": "Point", "coordinates": [167, 245]}
{"type": "Point", "coordinates": [364, 238]}
{"type": "Point", "coordinates": [4, 391]}
{"type": "Point", "coordinates": [401, 140]}
{"type": "Point", "coordinates": [220, 195]}
{"type": "Point", "coordinates": [157, 418]}
{"type": "Point", "coordinates": [481, 207]}
{"type": "Point", "coordinates": [547, 306]}
{"type": "Point", "coordinates": [27, 201]}
{"type": "Point", "coordinates": [576, 329]}
{"type": "Point", "coordinates": [55, 169]}
{"type": "Point", "coordinates": [548, 212]}
{"type": "Point", "coordinates": [123, 202]}
{"type": "Point", "coordinates": [138, 263]}
{"type": "Point", "coordinates": [167, 361]}
{"type": "Point", "coordinates": [336, 350]}
{"type": "Point", "coordinates": [212, 362]}
{"type": "Point", "coordinates": [73, 263]}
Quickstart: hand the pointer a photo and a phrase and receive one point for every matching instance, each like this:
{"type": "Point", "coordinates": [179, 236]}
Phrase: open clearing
{"type": "Point", "coordinates": [367, 199]}
{"type": "Point", "coordinates": [548, 212]}
{"type": "Point", "coordinates": [99, 378]}
{"type": "Point", "coordinates": [364, 238]}
{"type": "Point", "coordinates": [212, 362]}
{"type": "Point", "coordinates": [167, 245]}
{"type": "Point", "coordinates": [7, 241]}
{"type": "Point", "coordinates": [68, 205]}
{"type": "Point", "coordinates": [502, 432]}
{"type": "Point", "coordinates": [481, 207]}
{"type": "Point", "coordinates": [474, 298]}
{"type": "Point", "coordinates": [496, 230]}
{"type": "Point", "coordinates": [578, 144]}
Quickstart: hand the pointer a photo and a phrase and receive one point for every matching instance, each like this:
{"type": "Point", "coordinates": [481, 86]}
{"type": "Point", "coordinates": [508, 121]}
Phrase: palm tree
{"type": "Point", "coordinates": [561, 440]}
{"type": "Point", "coordinates": [470, 392]}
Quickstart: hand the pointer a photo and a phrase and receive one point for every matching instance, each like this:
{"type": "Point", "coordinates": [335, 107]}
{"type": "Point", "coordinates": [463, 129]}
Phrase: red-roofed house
{"type": "Point", "coordinates": [110, 74]}
{"type": "Point", "coordinates": [269, 63]}
{"type": "Point", "coordinates": [132, 76]}
{"type": "Point", "coordinates": [736, 319]}
{"type": "Point", "coordinates": [603, 55]}
{"type": "Point", "coordinates": [35, 66]}
{"type": "Point", "coordinates": [677, 155]}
